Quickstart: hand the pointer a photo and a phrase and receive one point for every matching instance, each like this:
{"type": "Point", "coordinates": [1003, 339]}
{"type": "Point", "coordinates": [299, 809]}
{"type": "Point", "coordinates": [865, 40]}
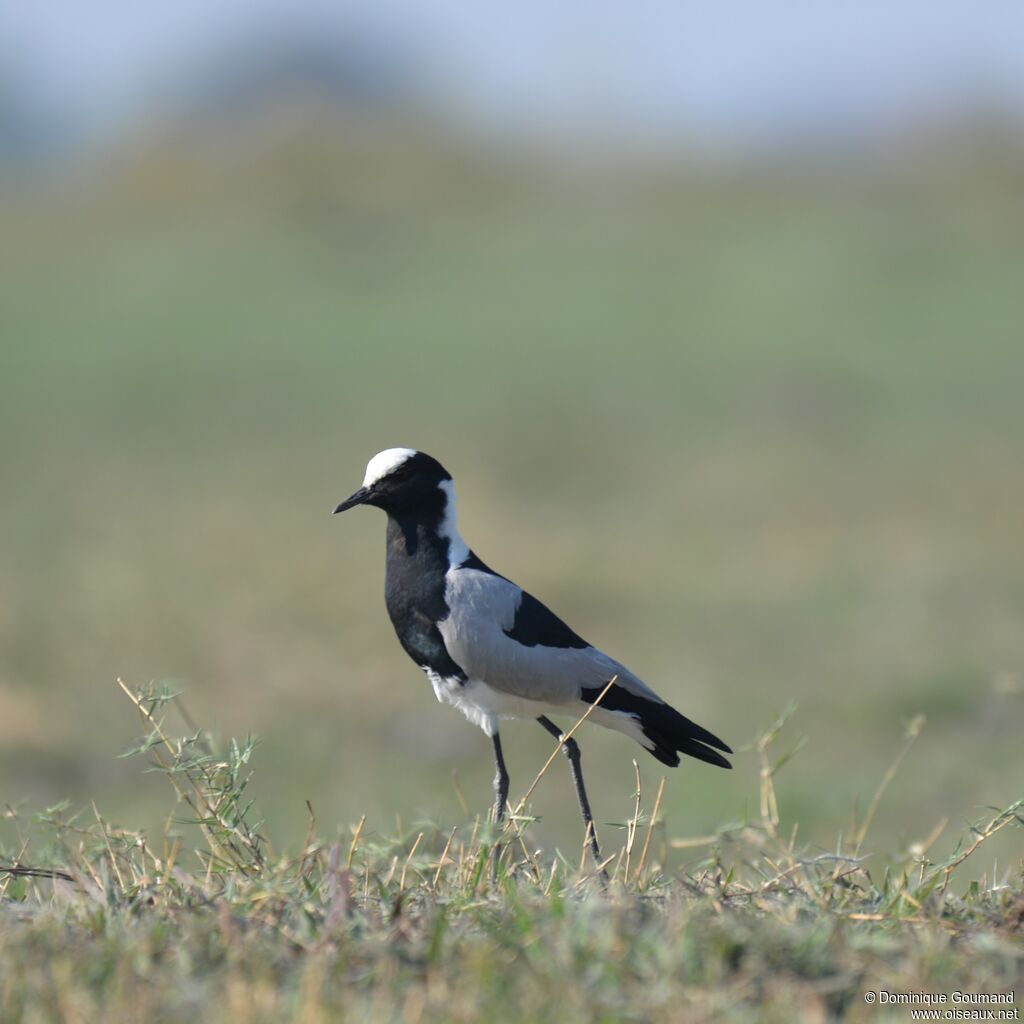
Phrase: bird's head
{"type": "Point", "coordinates": [402, 481]}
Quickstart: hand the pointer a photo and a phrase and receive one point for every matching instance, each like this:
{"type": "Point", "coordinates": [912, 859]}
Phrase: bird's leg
{"type": "Point", "coordinates": [500, 800]}
{"type": "Point", "coordinates": [572, 751]}
{"type": "Point", "coordinates": [500, 781]}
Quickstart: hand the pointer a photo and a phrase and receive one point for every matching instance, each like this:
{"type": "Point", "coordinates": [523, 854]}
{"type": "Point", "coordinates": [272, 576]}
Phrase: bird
{"type": "Point", "coordinates": [492, 650]}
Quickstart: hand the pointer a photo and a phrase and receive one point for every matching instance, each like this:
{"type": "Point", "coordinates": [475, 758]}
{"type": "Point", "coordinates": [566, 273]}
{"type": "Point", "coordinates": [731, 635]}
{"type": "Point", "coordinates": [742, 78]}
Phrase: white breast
{"type": "Point", "coordinates": [483, 705]}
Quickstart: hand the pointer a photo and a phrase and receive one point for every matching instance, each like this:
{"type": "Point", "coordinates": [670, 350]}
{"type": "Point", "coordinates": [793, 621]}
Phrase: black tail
{"type": "Point", "coordinates": [668, 730]}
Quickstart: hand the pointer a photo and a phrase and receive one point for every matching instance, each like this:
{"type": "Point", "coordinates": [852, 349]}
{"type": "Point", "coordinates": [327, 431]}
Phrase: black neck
{"type": "Point", "coordinates": [417, 539]}
{"type": "Point", "coordinates": [417, 561]}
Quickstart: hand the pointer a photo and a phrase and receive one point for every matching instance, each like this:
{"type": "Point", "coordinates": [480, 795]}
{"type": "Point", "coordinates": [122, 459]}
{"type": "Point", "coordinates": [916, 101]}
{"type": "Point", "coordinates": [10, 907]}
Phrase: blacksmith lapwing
{"type": "Point", "coordinates": [491, 649]}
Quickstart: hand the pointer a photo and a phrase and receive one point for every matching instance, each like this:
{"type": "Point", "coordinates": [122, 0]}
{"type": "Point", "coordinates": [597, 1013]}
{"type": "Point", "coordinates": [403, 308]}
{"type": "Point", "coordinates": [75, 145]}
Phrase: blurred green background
{"type": "Point", "coordinates": [755, 428]}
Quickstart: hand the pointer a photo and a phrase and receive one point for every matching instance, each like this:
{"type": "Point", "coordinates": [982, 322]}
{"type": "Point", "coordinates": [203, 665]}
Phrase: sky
{"type": "Point", "coordinates": [738, 71]}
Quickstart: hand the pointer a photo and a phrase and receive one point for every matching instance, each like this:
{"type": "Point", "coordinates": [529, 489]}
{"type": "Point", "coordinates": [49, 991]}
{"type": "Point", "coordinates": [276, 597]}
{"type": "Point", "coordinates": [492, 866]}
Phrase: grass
{"type": "Point", "coordinates": [759, 438]}
{"type": "Point", "coordinates": [467, 923]}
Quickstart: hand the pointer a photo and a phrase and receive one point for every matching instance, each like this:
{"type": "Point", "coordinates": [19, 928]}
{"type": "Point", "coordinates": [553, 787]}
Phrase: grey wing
{"type": "Point", "coordinates": [506, 638]}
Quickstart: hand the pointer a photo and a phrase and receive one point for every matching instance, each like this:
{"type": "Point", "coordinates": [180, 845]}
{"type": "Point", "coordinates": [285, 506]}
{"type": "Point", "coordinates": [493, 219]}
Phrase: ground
{"type": "Point", "coordinates": [759, 438]}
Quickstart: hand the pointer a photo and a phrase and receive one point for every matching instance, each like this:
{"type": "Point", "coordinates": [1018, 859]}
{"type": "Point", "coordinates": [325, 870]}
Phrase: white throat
{"type": "Point", "coordinates": [458, 549]}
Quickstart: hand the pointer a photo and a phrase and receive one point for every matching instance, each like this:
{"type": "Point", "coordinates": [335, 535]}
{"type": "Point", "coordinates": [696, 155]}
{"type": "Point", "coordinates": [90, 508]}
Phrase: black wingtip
{"type": "Point", "coordinates": [701, 735]}
{"type": "Point", "coordinates": [665, 756]}
{"type": "Point", "coordinates": [667, 731]}
{"type": "Point", "coordinates": [668, 755]}
{"type": "Point", "coordinates": [703, 753]}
